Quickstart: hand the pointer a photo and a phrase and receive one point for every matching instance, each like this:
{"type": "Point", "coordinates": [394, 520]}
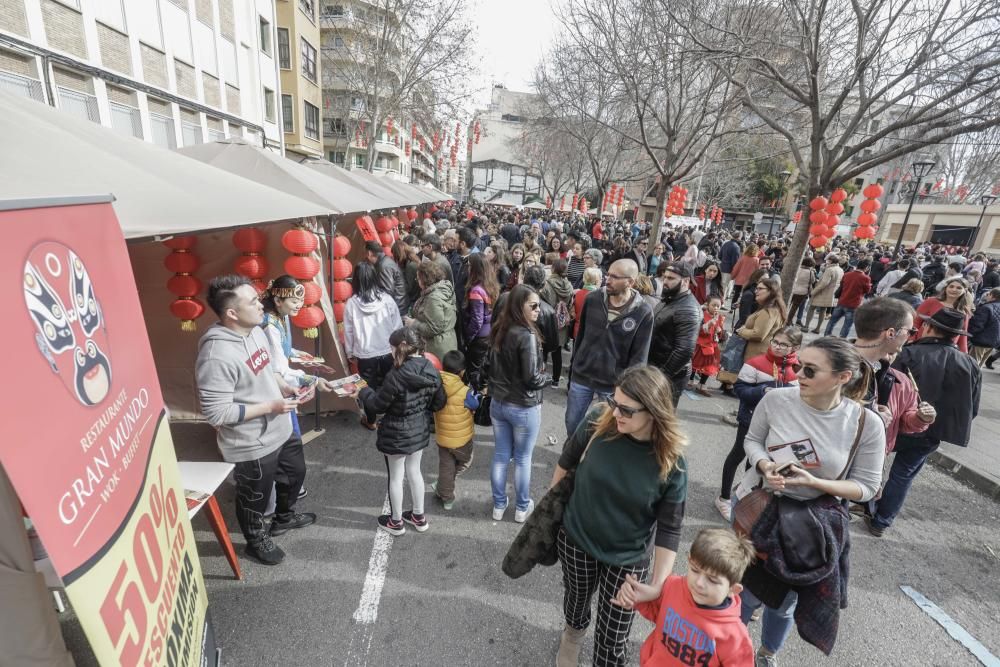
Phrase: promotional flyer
{"type": "Point", "coordinates": [89, 450]}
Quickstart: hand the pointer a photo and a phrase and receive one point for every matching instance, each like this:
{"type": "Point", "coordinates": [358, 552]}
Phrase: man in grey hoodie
{"type": "Point", "coordinates": [240, 397]}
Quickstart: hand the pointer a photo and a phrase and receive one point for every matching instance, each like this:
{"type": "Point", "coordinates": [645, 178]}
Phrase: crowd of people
{"type": "Point", "coordinates": [468, 321]}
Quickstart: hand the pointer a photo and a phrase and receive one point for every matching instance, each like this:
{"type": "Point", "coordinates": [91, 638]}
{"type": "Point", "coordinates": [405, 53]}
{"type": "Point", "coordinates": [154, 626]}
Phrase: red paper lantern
{"type": "Point", "coordinates": [249, 239]}
{"type": "Point", "coordinates": [832, 221]}
{"type": "Point", "coordinates": [387, 249]}
{"type": "Point", "coordinates": [181, 242]}
{"type": "Point", "coordinates": [251, 266]}
{"type": "Point", "coordinates": [313, 292]}
{"type": "Point", "coordinates": [184, 285]}
{"type": "Point", "coordinates": [341, 246]}
{"type": "Point", "coordinates": [871, 205]}
{"type": "Point", "coordinates": [383, 224]}
{"type": "Point", "coordinates": [187, 310]}
{"type": "Point", "coordinates": [834, 208]}
{"type": "Point", "coordinates": [817, 230]}
{"type": "Point", "coordinates": [817, 242]}
{"type": "Point", "coordinates": [308, 319]}
{"type": "Point", "coordinates": [338, 316]}
{"type": "Point", "coordinates": [181, 262]}
{"type": "Point", "coordinates": [864, 233]}
{"type": "Point", "coordinates": [818, 217]}
{"type": "Point", "coordinates": [866, 219]}
{"type": "Point", "coordinates": [838, 195]}
{"type": "Point", "coordinates": [831, 232]}
{"type": "Point", "coordinates": [873, 191]}
{"type": "Point", "coordinates": [411, 215]}
{"type": "Point", "coordinates": [818, 203]}
{"type": "Point", "coordinates": [342, 269]}
{"type": "Point", "coordinates": [386, 239]}
{"type": "Point", "coordinates": [470, 214]}
{"type": "Point", "coordinates": [301, 268]}
{"type": "Point", "coordinates": [342, 290]}
{"type": "Point", "coordinates": [299, 241]}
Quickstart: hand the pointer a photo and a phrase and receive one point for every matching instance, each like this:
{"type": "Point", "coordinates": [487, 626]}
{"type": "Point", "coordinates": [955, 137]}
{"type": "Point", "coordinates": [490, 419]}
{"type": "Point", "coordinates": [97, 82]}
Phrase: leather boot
{"type": "Point", "coordinates": [569, 647]}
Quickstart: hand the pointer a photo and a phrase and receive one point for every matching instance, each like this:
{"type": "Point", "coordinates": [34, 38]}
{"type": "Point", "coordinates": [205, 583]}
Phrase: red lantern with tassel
{"type": "Point", "coordinates": [303, 267]}
{"type": "Point", "coordinates": [251, 242]}
{"type": "Point", "coordinates": [342, 290]}
{"type": "Point", "coordinates": [184, 285]}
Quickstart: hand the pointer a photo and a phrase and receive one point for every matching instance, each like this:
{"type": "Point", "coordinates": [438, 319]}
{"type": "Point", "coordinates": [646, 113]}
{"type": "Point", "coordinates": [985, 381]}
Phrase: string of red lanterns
{"type": "Point", "coordinates": [303, 267]}
{"type": "Point", "coordinates": [867, 219]}
{"type": "Point", "coordinates": [251, 242]}
{"type": "Point", "coordinates": [342, 290]}
{"type": "Point", "coordinates": [182, 262]}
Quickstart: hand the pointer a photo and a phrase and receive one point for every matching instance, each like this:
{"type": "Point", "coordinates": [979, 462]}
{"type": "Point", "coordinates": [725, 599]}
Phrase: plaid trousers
{"type": "Point", "coordinates": [583, 575]}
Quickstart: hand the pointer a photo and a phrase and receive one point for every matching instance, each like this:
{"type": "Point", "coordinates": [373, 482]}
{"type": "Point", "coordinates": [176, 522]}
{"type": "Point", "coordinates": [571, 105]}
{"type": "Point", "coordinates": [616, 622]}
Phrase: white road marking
{"type": "Point", "coordinates": [371, 593]}
{"type": "Point", "coordinates": [957, 632]}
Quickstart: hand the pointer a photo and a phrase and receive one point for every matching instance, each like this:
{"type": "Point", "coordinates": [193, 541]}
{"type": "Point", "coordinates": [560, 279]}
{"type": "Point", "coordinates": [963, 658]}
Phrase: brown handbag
{"type": "Point", "coordinates": [747, 510]}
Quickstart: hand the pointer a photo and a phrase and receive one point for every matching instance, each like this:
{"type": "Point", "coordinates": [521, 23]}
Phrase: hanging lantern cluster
{"type": "Point", "coordinates": [406, 149]}
{"type": "Point", "coordinates": [621, 196]}
{"type": "Point", "coordinates": [869, 207]}
{"type": "Point", "coordinates": [342, 290]}
{"type": "Point", "coordinates": [413, 132]}
{"type": "Point", "coordinates": [609, 197]}
{"type": "Point", "coordinates": [548, 202]}
{"type": "Point", "coordinates": [584, 207]}
{"type": "Point", "coordinates": [251, 242]}
{"type": "Point", "coordinates": [182, 262]}
{"type": "Point", "coordinates": [303, 267]}
{"type": "Point", "coordinates": [477, 131]}
{"type": "Point", "coordinates": [675, 201]}
{"type": "Point", "coordinates": [423, 145]}
{"type": "Point", "coordinates": [385, 228]}
{"type": "Point", "coordinates": [389, 126]}
{"type": "Point", "coordinates": [562, 203]}
{"type": "Point", "coordinates": [718, 216]}
{"type": "Point", "coordinates": [576, 200]}
{"type": "Point", "coordinates": [819, 232]}
{"type": "Point", "coordinates": [796, 217]}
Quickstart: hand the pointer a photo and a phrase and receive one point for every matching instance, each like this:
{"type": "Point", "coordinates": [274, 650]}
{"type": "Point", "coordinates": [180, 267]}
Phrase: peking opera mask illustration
{"type": "Point", "coordinates": [71, 332]}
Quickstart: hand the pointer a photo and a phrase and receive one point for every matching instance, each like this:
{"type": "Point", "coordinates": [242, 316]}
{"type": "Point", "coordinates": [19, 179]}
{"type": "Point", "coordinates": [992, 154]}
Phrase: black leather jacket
{"type": "Point", "coordinates": [675, 334]}
{"type": "Point", "coordinates": [517, 372]}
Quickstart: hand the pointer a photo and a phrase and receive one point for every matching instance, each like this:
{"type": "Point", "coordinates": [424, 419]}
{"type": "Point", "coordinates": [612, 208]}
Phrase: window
{"type": "Point", "coordinates": [125, 119]}
{"type": "Point", "coordinates": [337, 127]}
{"type": "Point", "coordinates": [162, 129]}
{"type": "Point", "coordinates": [265, 35]}
{"type": "Point", "coordinates": [308, 61]}
{"type": "Point", "coordinates": [311, 120]}
{"type": "Point", "coordinates": [191, 134]}
{"type": "Point", "coordinates": [337, 157]}
{"type": "Point", "coordinates": [308, 7]}
{"type": "Point", "coordinates": [21, 85]}
{"type": "Point", "coordinates": [338, 41]}
{"type": "Point", "coordinates": [357, 104]}
{"type": "Point", "coordinates": [78, 103]}
{"type": "Point", "coordinates": [287, 113]}
{"type": "Point", "coordinates": [333, 10]}
{"type": "Point", "coordinates": [284, 49]}
{"type": "Point", "coordinates": [268, 105]}
{"type": "Point", "coordinates": [359, 160]}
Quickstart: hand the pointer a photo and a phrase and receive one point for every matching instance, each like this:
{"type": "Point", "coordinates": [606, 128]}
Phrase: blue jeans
{"type": "Point", "coordinates": [515, 429]}
{"type": "Point", "coordinates": [578, 399]}
{"type": "Point", "coordinates": [838, 312]}
{"type": "Point", "coordinates": [911, 453]}
{"type": "Point", "coordinates": [776, 624]}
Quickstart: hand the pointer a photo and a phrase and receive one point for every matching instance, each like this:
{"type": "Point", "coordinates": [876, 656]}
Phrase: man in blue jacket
{"type": "Point", "coordinates": [984, 327]}
{"type": "Point", "coordinates": [729, 254]}
{"type": "Point", "coordinates": [615, 329]}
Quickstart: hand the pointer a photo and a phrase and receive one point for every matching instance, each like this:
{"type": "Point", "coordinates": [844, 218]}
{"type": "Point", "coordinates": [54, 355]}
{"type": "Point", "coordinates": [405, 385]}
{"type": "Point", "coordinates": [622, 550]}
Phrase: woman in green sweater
{"type": "Point", "coordinates": [630, 478]}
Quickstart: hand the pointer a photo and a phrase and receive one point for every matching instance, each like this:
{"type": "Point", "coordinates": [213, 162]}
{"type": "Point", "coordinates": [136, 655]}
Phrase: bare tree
{"type": "Point", "coordinates": [543, 148]}
{"type": "Point", "coordinates": [399, 59]}
{"type": "Point", "coordinates": [969, 168]}
{"type": "Point", "coordinates": [855, 84]}
{"type": "Point", "coordinates": [654, 91]}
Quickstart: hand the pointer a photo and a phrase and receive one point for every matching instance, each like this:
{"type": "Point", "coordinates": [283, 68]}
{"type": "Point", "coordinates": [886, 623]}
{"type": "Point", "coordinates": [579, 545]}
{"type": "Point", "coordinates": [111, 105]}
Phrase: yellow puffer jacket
{"type": "Point", "coordinates": [453, 425]}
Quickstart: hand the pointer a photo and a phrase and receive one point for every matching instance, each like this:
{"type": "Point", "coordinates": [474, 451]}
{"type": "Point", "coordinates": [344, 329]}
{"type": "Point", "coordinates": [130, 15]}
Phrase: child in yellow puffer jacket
{"type": "Point", "coordinates": [453, 428]}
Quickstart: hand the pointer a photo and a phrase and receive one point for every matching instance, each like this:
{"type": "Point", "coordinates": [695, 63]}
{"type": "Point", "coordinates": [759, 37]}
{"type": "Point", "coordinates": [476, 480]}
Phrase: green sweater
{"type": "Point", "coordinates": [618, 497]}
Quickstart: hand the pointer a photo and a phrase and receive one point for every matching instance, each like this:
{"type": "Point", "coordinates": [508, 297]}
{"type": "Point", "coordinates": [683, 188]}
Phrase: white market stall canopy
{"type": "Point", "coordinates": [49, 153]}
{"type": "Point", "coordinates": [270, 168]}
{"type": "Point", "coordinates": [536, 206]}
{"type": "Point", "coordinates": [403, 194]}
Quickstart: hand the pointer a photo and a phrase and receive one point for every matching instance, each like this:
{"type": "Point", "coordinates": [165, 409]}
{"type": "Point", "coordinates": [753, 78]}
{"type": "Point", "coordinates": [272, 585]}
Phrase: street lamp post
{"type": "Point", "coordinates": [785, 175]}
{"type": "Point", "coordinates": [920, 170]}
{"type": "Point", "coordinates": [985, 201]}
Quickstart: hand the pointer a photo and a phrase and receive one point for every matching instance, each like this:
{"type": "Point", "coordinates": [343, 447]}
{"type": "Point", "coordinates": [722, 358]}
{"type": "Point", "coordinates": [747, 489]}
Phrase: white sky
{"type": "Point", "coordinates": [512, 35]}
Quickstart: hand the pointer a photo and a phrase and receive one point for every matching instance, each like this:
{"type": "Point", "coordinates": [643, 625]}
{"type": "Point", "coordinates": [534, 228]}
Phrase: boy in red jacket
{"type": "Point", "coordinates": [853, 288]}
{"type": "Point", "coordinates": [697, 617]}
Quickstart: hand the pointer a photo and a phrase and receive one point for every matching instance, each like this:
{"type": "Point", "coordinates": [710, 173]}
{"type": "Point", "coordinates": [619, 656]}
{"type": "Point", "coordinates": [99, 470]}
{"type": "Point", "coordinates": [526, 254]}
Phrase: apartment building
{"type": "Point", "coordinates": [299, 63]}
{"type": "Point", "coordinates": [171, 72]}
{"type": "Point", "coordinates": [496, 175]}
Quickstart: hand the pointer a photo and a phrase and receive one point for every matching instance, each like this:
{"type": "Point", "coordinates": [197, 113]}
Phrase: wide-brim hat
{"type": "Point", "coordinates": [947, 319]}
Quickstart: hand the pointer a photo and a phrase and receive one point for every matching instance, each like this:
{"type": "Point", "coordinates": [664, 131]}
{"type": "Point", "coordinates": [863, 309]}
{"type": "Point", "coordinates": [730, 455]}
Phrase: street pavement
{"type": "Point", "coordinates": [445, 601]}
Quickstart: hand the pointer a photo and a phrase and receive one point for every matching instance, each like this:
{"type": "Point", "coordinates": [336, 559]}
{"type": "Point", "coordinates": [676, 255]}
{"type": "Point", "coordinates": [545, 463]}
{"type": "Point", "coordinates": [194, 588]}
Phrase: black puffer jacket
{"type": "Point", "coordinates": [407, 397]}
{"type": "Point", "coordinates": [517, 369]}
{"type": "Point", "coordinates": [675, 334]}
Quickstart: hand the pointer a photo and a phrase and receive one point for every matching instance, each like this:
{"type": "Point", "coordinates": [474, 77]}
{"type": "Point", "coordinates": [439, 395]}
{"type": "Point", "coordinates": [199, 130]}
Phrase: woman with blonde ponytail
{"type": "Point", "coordinates": [815, 444]}
{"type": "Point", "coordinates": [630, 479]}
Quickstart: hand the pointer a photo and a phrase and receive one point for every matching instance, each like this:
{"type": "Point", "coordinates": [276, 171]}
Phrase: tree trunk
{"type": "Point", "coordinates": [800, 239]}
{"type": "Point", "coordinates": [661, 201]}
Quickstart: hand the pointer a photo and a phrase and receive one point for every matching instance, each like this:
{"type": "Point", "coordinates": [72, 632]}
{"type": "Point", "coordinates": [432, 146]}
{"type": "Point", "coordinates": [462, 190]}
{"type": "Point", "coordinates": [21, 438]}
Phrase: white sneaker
{"type": "Point", "coordinates": [521, 515]}
{"type": "Point", "coordinates": [725, 509]}
{"type": "Point", "coordinates": [498, 512]}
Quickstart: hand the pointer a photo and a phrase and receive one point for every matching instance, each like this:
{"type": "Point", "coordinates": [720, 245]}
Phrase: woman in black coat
{"type": "Point", "coordinates": [411, 390]}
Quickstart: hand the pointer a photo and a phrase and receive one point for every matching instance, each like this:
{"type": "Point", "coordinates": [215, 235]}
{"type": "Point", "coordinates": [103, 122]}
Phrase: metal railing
{"type": "Point", "coordinates": [22, 85]}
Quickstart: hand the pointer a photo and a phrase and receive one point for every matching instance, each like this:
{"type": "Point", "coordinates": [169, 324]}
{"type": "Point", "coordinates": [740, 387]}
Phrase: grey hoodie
{"type": "Point", "coordinates": [234, 371]}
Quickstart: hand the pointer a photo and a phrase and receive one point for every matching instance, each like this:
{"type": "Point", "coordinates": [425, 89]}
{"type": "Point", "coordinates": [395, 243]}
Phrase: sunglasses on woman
{"type": "Point", "coordinates": [534, 306]}
{"type": "Point", "coordinates": [811, 371]}
{"type": "Point", "coordinates": [624, 409]}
